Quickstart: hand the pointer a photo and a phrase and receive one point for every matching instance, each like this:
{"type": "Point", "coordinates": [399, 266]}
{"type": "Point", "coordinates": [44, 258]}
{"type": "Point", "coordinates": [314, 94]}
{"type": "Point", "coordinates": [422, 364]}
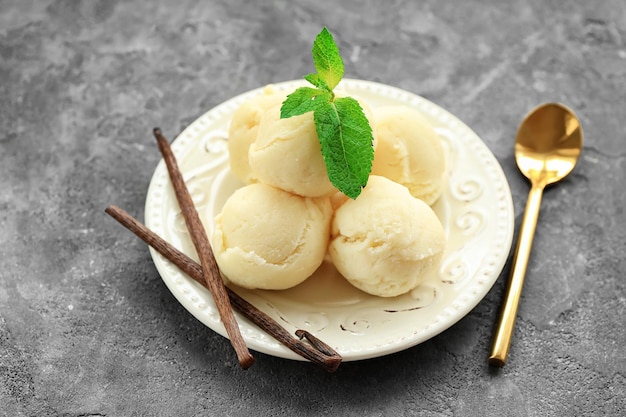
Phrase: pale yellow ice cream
{"type": "Point", "coordinates": [268, 238]}
{"type": "Point", "coordinates": [409, 152]}
{"type": "Point", "coordinates": [287, 154]}
{"type": "Point", "coordinates": [244, 127]}
{"type": "Point", "coordinates": [386, 240]}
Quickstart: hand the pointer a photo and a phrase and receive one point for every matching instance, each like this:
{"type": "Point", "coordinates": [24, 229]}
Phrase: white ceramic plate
{"type": "Point", "coordinates": [476, 210]}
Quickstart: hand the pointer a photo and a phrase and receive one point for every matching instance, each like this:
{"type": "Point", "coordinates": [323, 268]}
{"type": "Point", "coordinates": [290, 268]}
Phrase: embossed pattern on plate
{"type": "Point", "coordinates": [476, 210]}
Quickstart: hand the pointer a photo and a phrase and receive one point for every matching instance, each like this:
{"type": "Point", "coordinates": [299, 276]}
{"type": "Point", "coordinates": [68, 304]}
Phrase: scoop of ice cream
{"type": "Point", "coordinates": [386, 240]}
{"type": "Point", "coordinates": [409, 152]}
{"type": "Point", "coordinates": [244, 127]}
{"type": "Point", "coordinates": [287, 154]}
{"type": "Point", "coordinates": [268, 238]}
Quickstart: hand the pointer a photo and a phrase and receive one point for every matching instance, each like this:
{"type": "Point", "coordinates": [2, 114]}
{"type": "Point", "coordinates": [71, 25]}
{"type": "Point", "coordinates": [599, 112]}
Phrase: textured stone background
{"type": "Point", "coordinates": [88, 328]}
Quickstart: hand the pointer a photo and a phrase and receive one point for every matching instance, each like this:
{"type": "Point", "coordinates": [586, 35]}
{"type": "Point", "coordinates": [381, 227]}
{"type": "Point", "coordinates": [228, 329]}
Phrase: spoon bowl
{"type": "Point", "coordinates": [547, 147]}
{"type": "Point", "coordinates": [548, 143]}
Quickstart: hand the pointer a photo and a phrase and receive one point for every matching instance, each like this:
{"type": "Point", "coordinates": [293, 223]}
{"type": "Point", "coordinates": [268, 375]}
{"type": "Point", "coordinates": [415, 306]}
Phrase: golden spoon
{"type": "Point", "coordinates": [547, 146]}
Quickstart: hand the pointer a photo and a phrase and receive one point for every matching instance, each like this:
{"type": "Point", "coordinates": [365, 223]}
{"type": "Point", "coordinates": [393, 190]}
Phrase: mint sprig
{"type": "Point", "coordinates": [342, 127]}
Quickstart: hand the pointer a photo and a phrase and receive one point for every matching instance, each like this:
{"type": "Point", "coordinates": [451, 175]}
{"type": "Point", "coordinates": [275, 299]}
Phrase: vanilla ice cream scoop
{"type": "Point", "coordinates": [287, 154]}
{"type": "Point", "coordinates": [244, 127]}
{"type": "Point", "coordinates": [409, 152]}
{"type": "Point", "coordinates": [386, 240]}
{"type": "Point", "coordinates": [268, 238]}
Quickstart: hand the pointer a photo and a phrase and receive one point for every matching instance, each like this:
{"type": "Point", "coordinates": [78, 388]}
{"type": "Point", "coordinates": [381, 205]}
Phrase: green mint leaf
{"type": "Point", "coordinates": [317, 81]}
{"type": "Point", "coordinates": [342, 127]}
{"type": "Point", "coordinates": [303, 100]}
{"type": "Point", "coordinates": [327, 60]}
{"type": "Point", "coordinates": [346, 138]}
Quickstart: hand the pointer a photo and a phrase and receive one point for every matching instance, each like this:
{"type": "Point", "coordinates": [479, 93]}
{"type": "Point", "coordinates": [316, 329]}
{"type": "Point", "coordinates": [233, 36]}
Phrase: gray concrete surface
{"type": "Point", "coordinates": [87, 328]}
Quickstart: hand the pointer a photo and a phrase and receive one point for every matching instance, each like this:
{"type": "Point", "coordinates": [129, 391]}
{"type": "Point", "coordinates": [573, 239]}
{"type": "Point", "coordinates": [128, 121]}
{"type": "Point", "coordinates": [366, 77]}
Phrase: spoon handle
{"type": "Point", "coordinates": [504, 330]}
